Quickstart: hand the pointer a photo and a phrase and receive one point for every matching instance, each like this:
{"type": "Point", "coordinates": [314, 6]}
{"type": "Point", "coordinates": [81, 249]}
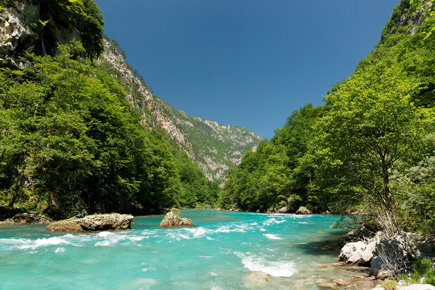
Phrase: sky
{"type": "Point", "coordinates": [247, 63]}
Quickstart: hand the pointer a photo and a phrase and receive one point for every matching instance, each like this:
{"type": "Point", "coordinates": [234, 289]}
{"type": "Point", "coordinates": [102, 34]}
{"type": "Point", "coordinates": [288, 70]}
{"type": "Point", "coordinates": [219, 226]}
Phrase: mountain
{"type": "Point", "coordinates": [81, 131]}
{"type": "Point", "coordinates": [215, 148]}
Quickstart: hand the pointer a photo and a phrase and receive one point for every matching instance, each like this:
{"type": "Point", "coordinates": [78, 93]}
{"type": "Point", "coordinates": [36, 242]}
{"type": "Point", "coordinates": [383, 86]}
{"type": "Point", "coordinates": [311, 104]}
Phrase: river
{"type": "Point", "coordinates": [225, 250]}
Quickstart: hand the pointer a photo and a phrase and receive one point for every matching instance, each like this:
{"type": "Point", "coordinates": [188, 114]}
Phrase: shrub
{"type": "Point", "coordinates": [422, 266]}
{"type": "Point", "coordinates": [389, 285]}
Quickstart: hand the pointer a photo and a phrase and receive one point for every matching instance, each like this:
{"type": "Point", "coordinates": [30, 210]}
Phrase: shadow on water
{"type": "Point", "coordinates": [326, 245]}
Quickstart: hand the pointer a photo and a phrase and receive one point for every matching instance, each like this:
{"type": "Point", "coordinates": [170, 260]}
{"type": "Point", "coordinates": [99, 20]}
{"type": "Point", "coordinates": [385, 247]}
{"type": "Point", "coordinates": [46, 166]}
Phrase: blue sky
{"type": "Point", "coordinates": [247, 63]}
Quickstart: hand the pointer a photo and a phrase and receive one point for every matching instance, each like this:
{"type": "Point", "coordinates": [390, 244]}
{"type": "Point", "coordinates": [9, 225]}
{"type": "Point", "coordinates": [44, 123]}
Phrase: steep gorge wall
{"type": "Point", "coordinates": [215, 148]}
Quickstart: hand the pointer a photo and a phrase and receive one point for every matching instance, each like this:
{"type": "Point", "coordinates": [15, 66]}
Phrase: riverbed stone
{"type": "Point", "coordinates": [171, 219]}
{"type": "Point", "coordinates": [303, 210]}
{"type": "Point", "coordinates": [284, 209]}
{"type": "Point", "coordinates": [90, 223]}
{"type": "Point", "coordinates": [341, 282]}
{"type": "Point", "coordinates": [327, 285]}
{"type": "Point", "coordinates": [27, 219]}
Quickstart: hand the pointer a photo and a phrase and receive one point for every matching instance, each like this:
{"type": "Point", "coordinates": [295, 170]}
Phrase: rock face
{"type": "Point", "coordinates": [225, 144]}
{"type": "Point", "coordinates": [27, 219]}
{"type": "Point", "coordinates": [19, 31]}
{"type": "Point", "coordinates": [101, 222]}
{"type": "Point", "coordinates": [171, 219]}
{"type": "Point", "coordinates": [303, 210]}
{"type": "Point", "coordinates": [15, 31]}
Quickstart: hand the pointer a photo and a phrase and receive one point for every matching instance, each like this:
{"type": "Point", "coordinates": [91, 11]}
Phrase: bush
{"type": "Point", "coordinates": [389, 285]}
{"type": "Point", "coordinates": [430, 277]}
{"type": "Point", "coordinates": [422, 266]}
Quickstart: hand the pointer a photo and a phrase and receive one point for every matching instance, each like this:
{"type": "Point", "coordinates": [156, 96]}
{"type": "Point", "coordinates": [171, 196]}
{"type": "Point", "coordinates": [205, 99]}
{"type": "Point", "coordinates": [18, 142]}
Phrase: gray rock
{"type": "Point", "coordinates": [100, 222]}
{"type": "Point", "coordinates": [284, 209]}
{"type": "Point", "coordinates": [171, 219]}
{"type": "Point", "coordinates": [303, 210]}
{"type": "Point", "coordinates": [380, 269]}
{"type": "Point", "coordinates": [27, 219]}
{"type": "Point", "coordinates": [15, 30]}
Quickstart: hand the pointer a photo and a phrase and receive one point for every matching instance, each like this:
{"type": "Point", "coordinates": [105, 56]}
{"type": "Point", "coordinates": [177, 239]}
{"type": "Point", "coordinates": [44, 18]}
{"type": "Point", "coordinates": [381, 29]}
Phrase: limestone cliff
{"type": "Point", "coordinates": [21, 29]}
{"type": "Point", "coordinates": [214, 147]}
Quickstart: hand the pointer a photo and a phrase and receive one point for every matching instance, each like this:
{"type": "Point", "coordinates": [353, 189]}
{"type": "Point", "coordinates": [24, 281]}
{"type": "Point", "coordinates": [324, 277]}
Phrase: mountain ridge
{"type": "Point", "coordinates": [194, 135]}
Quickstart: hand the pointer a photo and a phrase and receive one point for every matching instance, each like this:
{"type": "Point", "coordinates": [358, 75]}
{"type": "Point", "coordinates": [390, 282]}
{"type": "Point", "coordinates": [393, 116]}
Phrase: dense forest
{"type": "Point", "coordinates": [368, 149]}
{"type": "Point", "coordinates": [70, 142]}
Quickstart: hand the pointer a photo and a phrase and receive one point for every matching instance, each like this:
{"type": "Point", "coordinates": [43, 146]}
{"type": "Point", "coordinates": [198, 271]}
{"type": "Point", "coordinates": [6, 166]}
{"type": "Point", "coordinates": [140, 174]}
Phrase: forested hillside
{"type": "Point", "coordinates": [75, 135]}
{"type": "Point", "coordinates": [369, 148]}
{"type": "Point", "coordinates": [215, 148]}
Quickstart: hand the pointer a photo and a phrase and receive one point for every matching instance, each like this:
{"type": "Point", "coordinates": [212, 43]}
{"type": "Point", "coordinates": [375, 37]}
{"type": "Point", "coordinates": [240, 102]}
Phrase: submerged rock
{"type": "Point", "coordinates": [100, 222]}
{"type": "Point", "coordinates": [27, 219]}
{"type": "Point", "coordinates": [171, 219]}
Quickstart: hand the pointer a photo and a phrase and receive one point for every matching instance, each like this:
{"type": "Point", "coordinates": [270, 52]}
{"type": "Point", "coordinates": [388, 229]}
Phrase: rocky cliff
{"type": "Point", "coordinates": [214, 147]}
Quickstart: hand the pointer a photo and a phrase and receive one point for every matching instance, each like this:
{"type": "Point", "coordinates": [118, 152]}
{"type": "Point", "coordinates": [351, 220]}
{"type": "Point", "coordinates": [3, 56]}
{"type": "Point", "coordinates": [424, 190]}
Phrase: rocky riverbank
{"type": "Point", "coordinates": [387, 256]}
{"type": "Point", "coordinates": [26, 219]}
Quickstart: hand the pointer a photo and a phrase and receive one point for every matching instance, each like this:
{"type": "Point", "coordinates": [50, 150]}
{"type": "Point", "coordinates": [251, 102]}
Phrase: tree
{"type": "Point", "coordinates": [370, 126]}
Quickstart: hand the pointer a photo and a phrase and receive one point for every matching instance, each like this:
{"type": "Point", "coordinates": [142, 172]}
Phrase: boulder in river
{"type": "Point", "coordinates": [27, 219]}
{"type": "Point", "coordinates": [171, 219]}
{"type": "Point", "coordinates": [303, 210]}
{"type": "Point", "coordinates": [284, 209]}
{"type": "Point", "coordinates": [98, 222]}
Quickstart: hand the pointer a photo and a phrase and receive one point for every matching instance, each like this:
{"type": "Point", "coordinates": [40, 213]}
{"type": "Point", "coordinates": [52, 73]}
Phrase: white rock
{"type": "Point", "coordinates": [358, 252]}
{"type": "Point", "coordinates": [418, 287]}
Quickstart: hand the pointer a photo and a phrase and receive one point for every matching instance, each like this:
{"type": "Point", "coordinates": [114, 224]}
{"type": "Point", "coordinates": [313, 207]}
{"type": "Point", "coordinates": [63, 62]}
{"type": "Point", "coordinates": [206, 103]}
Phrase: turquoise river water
{"type": "Point", "coordinates": [225, 250]}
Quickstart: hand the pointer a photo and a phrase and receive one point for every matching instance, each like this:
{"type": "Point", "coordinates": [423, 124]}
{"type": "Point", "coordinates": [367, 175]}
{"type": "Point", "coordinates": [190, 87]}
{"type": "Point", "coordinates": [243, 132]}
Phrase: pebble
{"type": "Point", "coordinates": [327, 285]}
{"type": "Point", "coordinates": [341, 282]}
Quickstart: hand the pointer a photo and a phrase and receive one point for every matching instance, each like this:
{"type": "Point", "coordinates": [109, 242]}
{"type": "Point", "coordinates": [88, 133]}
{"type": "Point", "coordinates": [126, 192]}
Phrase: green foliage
{"type": "Point", "coordinates": [280, 172]}
{"type": "Point", "coordinates": [422, 266]}
{"type": "Point", "coordinates": [227, 142]}
{"type": "Point", "coordinates": [389, 284]}
{"type": "Point", "coordinates": [430, 277]}
{"type": "Point", "coordinates": [83, 16]}
{"type": "Point", "coordinates": [71, 142]}
{"type": "Point", "coordinates": [370, 148]}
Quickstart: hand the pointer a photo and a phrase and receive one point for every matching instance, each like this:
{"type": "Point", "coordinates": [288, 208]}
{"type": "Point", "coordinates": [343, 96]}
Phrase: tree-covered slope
{"type": "Point", "coordinates": [215, 148]}
{"type": "Point", "coordinates": [76, 135]}
{"type": "Point", "coordinates": [369, 148]}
